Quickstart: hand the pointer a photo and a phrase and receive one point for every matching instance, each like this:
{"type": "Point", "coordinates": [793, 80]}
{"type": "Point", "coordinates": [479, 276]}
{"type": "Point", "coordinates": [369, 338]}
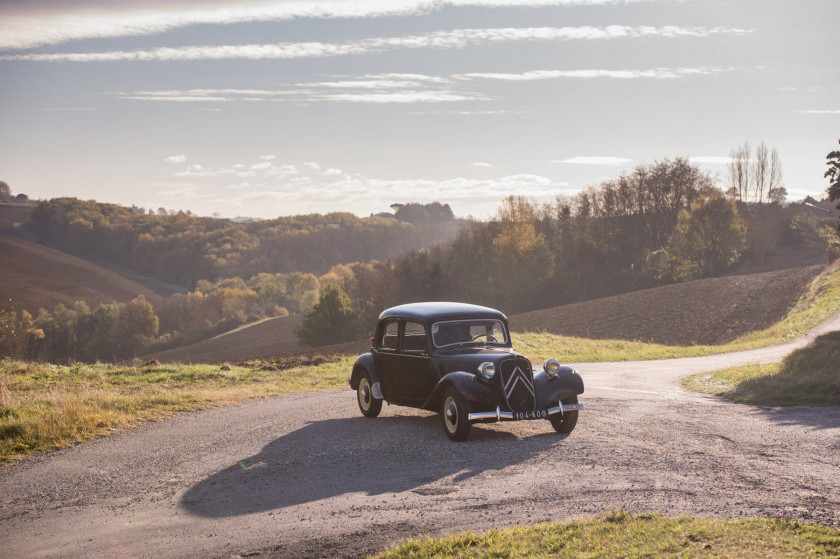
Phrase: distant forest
{"type": "Point", "coordinates": [661, 223]}
{"type": "Point", "coordinates": [182, 248]}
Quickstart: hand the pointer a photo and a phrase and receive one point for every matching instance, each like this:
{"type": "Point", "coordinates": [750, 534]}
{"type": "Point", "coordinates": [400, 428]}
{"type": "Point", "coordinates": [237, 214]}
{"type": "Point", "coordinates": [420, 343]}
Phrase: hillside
{"type": "Point", "coordinates": [678, 314]}
{"type": "Point", "coordinates": [14, 213]}
{"type": "Point", "coordinates": [262, 340]}
{"type": "Point", "coordinates": [35, 276]}
{"type": "Point", "coordinates": [710, 311]}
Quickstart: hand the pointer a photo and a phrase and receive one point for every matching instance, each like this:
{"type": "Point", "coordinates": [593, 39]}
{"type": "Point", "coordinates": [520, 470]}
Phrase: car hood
{"type": "Point", "coordinates": [468, 358]}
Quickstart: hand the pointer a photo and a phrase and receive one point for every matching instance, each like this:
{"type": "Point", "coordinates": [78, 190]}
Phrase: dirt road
{"type": "Point", "coordinates": [306, 475]}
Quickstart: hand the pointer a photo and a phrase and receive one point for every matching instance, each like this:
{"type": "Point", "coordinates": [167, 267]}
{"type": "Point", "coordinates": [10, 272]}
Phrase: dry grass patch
{"type": "Point", "coordinates": [620, 534]}
{"type": "Point", "coordinates": [807, 377]}
{"type": "Point", "coordinates": [44, 406]}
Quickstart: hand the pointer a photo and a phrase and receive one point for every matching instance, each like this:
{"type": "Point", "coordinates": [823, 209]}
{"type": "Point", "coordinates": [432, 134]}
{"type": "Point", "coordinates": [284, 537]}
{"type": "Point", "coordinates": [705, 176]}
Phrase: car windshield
{"type": "Point", "coordinates": [452, 332]}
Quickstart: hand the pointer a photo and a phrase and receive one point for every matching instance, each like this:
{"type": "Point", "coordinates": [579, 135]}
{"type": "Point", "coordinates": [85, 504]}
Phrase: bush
{"type": "Point", "coordinates": [332, 320]}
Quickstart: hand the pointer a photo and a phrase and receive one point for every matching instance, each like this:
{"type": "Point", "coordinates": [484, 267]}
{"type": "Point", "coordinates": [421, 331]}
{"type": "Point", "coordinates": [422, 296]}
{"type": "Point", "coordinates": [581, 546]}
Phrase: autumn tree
{"type": "Point", "coordinates": [331, 321]}
{"type": "Point", "coordinates": [708, 238]}
{"type": "Point", "coordinates": [5, 192]}
{"type": "Point", "coordinates": [833, 176]}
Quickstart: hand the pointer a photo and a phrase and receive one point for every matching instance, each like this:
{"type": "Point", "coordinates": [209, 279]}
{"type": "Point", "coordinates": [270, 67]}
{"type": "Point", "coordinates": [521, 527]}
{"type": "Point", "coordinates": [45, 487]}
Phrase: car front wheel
{"type": "Point", "coordinates": [565, 422]}
{"type": "Point", "coordinates": [455, 411]}
{"type": "Point", "coordinates": [369, 405]}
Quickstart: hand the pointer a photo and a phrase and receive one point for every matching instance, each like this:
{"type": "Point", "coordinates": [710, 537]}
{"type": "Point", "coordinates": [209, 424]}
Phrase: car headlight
{"type": "Point", "coordinates": [487, 370]}
{"type": "Point", "coordinates": [552, 368]}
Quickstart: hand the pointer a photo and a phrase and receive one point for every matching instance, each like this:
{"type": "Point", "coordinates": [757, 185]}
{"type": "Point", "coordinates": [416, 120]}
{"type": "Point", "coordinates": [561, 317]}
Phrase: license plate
{"type": "Point", "coordinates": [536, 414]}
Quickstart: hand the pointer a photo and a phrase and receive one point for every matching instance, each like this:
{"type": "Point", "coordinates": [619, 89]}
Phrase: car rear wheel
{"type": "Point", "coordinates": [455, 411]}
{"type": "Point", "coordinates": [369, 405]}
{"type": "Point", "coordinates": [565, 422]}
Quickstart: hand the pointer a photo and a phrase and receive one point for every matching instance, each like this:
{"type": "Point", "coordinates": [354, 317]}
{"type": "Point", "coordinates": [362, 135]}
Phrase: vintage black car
{"type": "Point", "coordinates": [457, 359]}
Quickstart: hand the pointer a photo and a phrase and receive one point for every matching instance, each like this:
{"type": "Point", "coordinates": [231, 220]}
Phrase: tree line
{"type": "Point", "coordinates": [182, 248]}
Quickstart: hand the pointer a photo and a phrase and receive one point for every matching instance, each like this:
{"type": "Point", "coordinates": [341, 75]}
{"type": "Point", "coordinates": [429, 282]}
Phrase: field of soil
{"type": "Point", "coordinates": [710, 311]}
{"type": "Point", "coordinates": [263, 340]}
{"type": "Point", "coordinates": [36, 276]}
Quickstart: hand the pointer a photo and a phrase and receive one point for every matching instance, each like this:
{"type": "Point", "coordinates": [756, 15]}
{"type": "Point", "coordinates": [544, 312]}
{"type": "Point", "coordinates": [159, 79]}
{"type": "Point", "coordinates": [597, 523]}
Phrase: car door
{"type": "Point", "coordinates": [417, 380]}
{"type": "Point", "coordinates": [387, 344]}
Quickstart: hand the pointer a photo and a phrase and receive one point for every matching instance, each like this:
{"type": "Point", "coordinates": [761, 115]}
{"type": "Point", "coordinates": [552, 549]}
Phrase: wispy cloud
{"type": "Point", "coordinates": [480, 164]}
{"type": "Point", "coordinates": [820, 112]}
{"type": "Point", "coordinates": [711, 159]}
{"type": "Point", "coordinates": [309, 95]}
{"type": "Point", "coordinates": [594, 160]}
{"type": "Point", "coordinates": [655, 73]}
{"type": "Point", "coordinates": [455, 39]}
{"type": "Point", "coordinates": [36, 23]}
{"type": "Point", "coordinates": [176, 159]}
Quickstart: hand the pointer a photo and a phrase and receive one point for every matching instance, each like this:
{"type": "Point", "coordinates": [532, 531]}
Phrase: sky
{"type": "Point", "coordinates": [269, 108]}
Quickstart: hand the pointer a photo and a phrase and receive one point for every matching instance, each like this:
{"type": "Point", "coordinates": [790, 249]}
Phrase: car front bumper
{"type": "Point", "coordinates": [500, 415]}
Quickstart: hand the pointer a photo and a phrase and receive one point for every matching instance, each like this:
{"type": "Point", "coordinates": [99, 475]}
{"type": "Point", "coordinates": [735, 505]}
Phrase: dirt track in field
{"type": "Point", "coordinates": [305, 476]}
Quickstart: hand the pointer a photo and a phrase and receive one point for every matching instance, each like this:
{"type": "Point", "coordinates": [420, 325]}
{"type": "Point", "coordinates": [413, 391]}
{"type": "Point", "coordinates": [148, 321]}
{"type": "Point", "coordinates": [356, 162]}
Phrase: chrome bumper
{"type": "Point", "coordinates": [500, 415]}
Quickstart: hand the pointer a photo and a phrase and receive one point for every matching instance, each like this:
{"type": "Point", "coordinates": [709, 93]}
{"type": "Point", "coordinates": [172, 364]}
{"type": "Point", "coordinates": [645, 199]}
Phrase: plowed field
{"type": "Point", "coordinates": [35, 276]}
{"type": "Point", "coordinates": [263, 340]}
{"type": "Point", "coordinates": [710, 311]}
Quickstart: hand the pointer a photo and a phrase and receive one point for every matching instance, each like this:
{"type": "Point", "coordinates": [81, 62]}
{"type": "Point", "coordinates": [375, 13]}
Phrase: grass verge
{"type": "Point", "coordinates": [620, 534]}
{"type": "Point", "coordinates": [819, 302]}
{"type": "Point", "coordinates": [807, 377]}
{"type": "Point", "coordinates": [44, 406]}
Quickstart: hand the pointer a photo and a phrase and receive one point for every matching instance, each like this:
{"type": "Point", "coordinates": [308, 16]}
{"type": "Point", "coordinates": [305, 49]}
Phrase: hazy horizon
{"type": "Point", "coordinates": [263, 108]}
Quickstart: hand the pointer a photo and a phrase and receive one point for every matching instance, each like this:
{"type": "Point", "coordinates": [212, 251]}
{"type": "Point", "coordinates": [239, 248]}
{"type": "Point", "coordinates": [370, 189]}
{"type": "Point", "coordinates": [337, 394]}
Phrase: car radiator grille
{"type": "Point", "coordinates": [518, 384]}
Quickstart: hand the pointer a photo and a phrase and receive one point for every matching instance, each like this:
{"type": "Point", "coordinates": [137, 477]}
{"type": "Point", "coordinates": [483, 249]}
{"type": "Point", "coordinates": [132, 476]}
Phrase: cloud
{"type": "Point", "coordinates": [594, 160]}
{"type": "Point", "coordinates": [309, 186]}
{"type": "Point", "coordinates": [176, 159]}
{"type": "Point", "coordinates": [454, 39]}
{"type": "Point", "coordinates": [655, 73]}
{"type": "Point", "coordinates": [260, 166]}
{"type": "Point", "coordinates": [38, 22]}
{"type": "Point", "coordinates": [307, 93]}
{"type": "Point", "coordinates": [820, 112]}
{"type": "Point", "coordinates": [711, 159]}
{"type": "Point", "coordinates": [267, 157]}
{"type": "Point", "coordinates": [480, 164]}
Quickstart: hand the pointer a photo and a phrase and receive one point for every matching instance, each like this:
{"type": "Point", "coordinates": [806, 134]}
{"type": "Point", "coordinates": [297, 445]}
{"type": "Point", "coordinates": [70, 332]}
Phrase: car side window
{"type": "Point", "coordinates": [414, 337]}
{"type": "Point", "coordinates": [389, 336]}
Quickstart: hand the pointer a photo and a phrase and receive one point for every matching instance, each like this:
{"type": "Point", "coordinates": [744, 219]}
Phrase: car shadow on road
{"type": "Point", "coordinates": [817, 417]}
{"type": "Point", "coordinates": [335, 457]}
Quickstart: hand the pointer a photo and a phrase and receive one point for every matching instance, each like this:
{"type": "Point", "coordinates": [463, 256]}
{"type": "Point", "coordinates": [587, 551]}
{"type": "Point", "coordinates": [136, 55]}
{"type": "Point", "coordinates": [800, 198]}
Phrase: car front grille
{"type": "Point", "coordinates": [518, 384]}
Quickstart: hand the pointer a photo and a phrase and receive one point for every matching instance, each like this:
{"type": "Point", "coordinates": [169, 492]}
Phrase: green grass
{"type": "Point", "coordinates": [820, 301]}
{"type": "Point", "coordinates": [807, 377]}
{"type": "Point", "coordinates": [44, 406]}
{"type": "Point", "coordinates": [619, 534]}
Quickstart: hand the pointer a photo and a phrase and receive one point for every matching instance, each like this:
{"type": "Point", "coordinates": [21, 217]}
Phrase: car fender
{"type": "Point", "coordinates": [366, 364]}
{"type": "Point", "coordinates": [467, 385]}
{"type": "Point", "coordinates": [566, 384]}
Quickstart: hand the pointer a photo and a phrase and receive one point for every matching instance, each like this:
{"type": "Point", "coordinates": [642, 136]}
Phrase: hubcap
{"type": "Point", "coordinates": [364, 394]}
{"type": "Point", "coordinates": [451, 414]}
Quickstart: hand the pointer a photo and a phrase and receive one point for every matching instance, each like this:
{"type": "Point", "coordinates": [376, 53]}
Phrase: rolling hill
{"type": "Point", "coordinates": [261, 340]}
{"type": "Point", "coordinates": [35, 276]}
{"type": "Point", "coordinates": [710, 311]}
{"type": "Point", "coordinates": [10, 214]}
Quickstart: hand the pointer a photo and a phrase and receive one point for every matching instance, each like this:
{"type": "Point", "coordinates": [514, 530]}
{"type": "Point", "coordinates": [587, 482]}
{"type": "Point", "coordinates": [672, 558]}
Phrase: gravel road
{"type": "Point", "coordinates": [305, 475]}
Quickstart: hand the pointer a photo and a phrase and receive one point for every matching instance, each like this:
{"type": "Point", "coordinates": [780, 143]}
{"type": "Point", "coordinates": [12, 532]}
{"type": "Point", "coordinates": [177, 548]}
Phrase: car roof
{"type": "Point", "coordinates": [432, 311]}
